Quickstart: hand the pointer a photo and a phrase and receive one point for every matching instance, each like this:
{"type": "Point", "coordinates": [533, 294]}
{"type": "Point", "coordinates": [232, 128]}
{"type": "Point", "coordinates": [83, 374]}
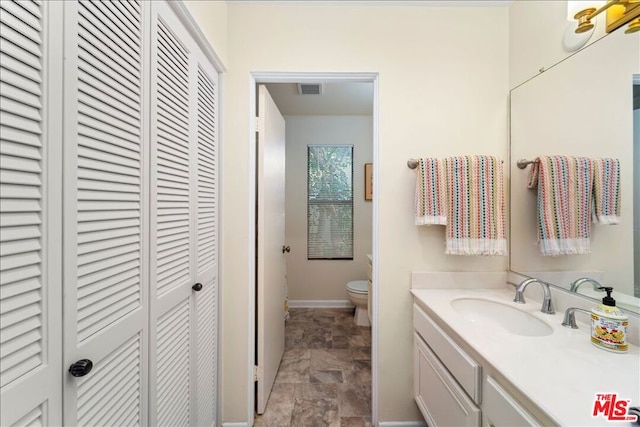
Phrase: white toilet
{"type": "Point", "coordinates": [358, 291]}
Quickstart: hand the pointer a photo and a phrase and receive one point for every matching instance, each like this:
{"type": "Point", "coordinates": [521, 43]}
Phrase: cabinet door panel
{"type": "Point", "coordinates": [440, 399]}
{"type": "Point", "coordinates": [501, 409]}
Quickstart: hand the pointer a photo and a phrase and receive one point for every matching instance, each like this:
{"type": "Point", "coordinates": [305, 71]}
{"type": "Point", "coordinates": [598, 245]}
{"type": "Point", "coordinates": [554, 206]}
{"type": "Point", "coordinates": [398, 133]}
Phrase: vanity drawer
{"type": "Point", "coordinates": [465, 370]}
{"type": "Point", "coordinates": [439, 397]}
{"type": "Point", "coordinates": [501, 409]}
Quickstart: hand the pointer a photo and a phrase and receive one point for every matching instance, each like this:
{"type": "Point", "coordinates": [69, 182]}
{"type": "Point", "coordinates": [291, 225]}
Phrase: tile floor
{"type": "Point", "coordinates": [325, 374]}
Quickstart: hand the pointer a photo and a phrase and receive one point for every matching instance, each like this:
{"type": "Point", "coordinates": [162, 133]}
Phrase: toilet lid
{"type": "Point", "coordinates": [360, 286]}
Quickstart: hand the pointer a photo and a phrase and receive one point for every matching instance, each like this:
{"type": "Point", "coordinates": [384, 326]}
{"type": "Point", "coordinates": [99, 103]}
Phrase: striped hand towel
{"type": "Point", "coordinates": [564, 203]}
{"type": "Point", "coordinates": [431, 195]}
{"type": "Point", "coordinates": [606, 191]}
{"type": "Point", "coordinates": [475, 208]}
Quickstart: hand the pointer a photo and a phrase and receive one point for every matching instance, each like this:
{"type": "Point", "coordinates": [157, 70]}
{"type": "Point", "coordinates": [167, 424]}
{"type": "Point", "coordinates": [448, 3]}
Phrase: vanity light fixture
{"type": "Point", "coordinates": [573, 39]}
{"type": "Point", "coordinates": [634, 26]}
{"type": "Point", "coordinates": [619, 12]}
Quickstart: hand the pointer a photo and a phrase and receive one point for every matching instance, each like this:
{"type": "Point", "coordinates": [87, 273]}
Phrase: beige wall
{"type": "Point", "coordinates": [536, 29]}
{"type": "Point", "coordinates": [323, 279]}
{"type": "Point", "coordinates": [211, 16]}
{"type": "Point", "coordinates": [443, 84]}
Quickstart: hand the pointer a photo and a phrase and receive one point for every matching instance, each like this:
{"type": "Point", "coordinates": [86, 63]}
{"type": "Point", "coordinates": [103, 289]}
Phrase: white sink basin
{"type": "Point", "coordinates": [492, 314]}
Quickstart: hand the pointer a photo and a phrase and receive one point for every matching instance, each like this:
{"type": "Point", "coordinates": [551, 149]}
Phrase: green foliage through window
{"type": "Point", "coordinates": [330, 202]}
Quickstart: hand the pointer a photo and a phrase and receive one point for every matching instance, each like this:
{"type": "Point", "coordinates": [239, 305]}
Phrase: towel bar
{"type": "Point", "coordinates": [523, 163]}
{"type": "Point", "coordinates": [413, 163]}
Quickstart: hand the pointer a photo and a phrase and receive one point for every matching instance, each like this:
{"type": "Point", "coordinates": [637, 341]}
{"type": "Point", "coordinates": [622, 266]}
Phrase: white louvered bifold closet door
{"type": "Point", "coordinates": [183, 227]}
{"type": "Point", "coordinates": [108, 209]}
{"type": "Point", "coordinates": [105, 206]}
{"type": "Point", "coordinates": [30, 216]}
{"type": "Point", "coordinates": [207, 242]}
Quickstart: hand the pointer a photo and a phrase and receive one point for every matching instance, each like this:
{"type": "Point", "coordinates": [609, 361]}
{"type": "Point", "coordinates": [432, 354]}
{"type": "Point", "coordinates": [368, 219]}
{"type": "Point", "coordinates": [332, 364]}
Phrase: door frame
{"type": "Point", "coordinates": [309, 77]}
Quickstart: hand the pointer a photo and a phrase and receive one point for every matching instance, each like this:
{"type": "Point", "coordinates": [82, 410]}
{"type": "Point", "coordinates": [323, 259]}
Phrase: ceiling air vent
{"type": "Point", "coordinates": [309, 88]}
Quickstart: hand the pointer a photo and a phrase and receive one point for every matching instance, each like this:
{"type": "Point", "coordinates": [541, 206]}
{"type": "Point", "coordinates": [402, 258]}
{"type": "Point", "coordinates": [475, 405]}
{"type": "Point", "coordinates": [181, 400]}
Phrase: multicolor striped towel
{"type": "Point", "coordinates": [564, 201]}
{"type": "Point", "coordinates": [606, 191]}
{"type": "Point", "coordinates": [475, 206]}
{"type": "Point", "coordinates": [431, 194]}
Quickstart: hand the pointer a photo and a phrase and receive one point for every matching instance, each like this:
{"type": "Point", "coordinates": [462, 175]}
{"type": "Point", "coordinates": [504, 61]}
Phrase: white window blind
{"type": "Point", "coordinates": [330, 202]}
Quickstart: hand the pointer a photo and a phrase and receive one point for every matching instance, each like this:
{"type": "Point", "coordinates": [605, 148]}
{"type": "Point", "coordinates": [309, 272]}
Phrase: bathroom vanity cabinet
{"type": "Point", "coordinates": [453, 386]}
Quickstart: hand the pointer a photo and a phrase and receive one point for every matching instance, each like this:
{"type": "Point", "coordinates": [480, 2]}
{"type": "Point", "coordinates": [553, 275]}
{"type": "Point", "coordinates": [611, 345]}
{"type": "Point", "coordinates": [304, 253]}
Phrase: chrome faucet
{"type": "Point", "coordinates": [547, 305]}
{"type": "Point", "coordinates": [596, 285]}
{"type": "Point", "coordinates": [569, 320]}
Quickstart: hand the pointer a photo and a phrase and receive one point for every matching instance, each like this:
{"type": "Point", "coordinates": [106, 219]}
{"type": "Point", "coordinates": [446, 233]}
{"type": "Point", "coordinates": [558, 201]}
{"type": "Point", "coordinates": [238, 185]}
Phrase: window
{"type": "Point", "coordinates": [330, 202]}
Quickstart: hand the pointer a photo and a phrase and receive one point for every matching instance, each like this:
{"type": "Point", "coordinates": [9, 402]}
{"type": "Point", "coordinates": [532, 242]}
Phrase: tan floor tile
{"type": "Point", "coordinates": [315, 413]}
{"type": "Point", "coordinates": [331, 359]}
{"type": "Point", "coordinates": [325, 374]}
{"type": "Point", "coordinates": [354, 400]}
{"type": "Point", "coordinates": [316, 391]}
{"type": "Point", "coordinates": [355, 422]}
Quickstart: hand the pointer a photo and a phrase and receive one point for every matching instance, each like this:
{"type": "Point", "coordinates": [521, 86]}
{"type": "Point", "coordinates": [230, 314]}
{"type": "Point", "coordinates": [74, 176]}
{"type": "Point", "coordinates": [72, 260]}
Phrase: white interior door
{"type": "Point", "coordinates": [30, 214]}
{"type": "Point", "coordinates": [105, 204]}
{"type": "Point", "coordinates": [271, 279]}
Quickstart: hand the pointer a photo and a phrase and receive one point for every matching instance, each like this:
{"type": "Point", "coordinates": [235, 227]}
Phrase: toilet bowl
{"type": "Point", "coordinates": [359, 296]}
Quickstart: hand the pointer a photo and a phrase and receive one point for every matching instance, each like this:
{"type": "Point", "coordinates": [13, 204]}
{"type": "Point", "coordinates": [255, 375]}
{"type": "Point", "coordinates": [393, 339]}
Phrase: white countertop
{"type": "Point", "coordinates": [561, 373]}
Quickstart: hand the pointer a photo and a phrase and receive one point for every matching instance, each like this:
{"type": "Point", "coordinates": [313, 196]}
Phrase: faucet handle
{"type": "Point", "coordinates": [569, 320]}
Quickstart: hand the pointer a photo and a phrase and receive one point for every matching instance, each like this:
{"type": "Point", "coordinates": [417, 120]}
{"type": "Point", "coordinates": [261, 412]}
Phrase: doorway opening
{"type": "Point", "coordinates": [279, 83]}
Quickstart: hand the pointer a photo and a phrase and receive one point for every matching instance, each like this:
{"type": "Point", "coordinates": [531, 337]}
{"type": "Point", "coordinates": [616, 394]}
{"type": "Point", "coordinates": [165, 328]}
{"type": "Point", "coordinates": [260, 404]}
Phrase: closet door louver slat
{"type": "Point", "coordinates": [172, 222]}
{"type": "Point", "coordinates": [29, 365]}
{"type": "Point", "coordinates": [173, 182]}
{"type": "Point", "coordinates": [112, 117]}
{"type": "Point", "coordinates": [173, 373]}
{"type": "Point", "coordinates": [21, 283]}
{"type": "Point", "coordinates": [206, 249]}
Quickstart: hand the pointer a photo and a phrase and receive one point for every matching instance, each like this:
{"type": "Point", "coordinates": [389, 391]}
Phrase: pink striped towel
{"type": "Point", "coordinates": [564, 200]}
{"type": "Point", "coordinates": [431, 195]}
{"type": "Point", "coordinates": [467, 195]}
{"type": "Point", "coordinates": [475, 206]}
{"type": "Point", "coordinates": [606, 191]}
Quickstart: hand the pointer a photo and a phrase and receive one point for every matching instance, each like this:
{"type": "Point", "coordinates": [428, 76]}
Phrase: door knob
{"type": "Point", "coordinates": [197, 287]}
{"type": "Point", "coordinates": [286, 249]}
{"type": "Point", "coordinates": [81, 368]}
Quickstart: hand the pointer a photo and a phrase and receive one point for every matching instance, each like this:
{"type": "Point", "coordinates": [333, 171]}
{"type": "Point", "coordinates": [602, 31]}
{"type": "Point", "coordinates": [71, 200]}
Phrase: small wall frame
{"type": "Point", "coordinates": [368, 181]}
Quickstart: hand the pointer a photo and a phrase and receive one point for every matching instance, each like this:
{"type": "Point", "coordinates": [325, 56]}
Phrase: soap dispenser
{"type": "Point", "coordinates": [609, 325]}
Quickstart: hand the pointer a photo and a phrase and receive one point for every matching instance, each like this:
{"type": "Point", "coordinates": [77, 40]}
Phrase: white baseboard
{"type": "Point", "coordinates": [236, 424]}
{"type": "Point", "coordinates": [402, 424]}
{"type": "Point", "coordinates": [302, 303]}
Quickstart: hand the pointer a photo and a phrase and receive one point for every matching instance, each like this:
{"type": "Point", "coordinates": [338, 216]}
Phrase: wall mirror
{"type": "Point", "coordinates": [582, 106]}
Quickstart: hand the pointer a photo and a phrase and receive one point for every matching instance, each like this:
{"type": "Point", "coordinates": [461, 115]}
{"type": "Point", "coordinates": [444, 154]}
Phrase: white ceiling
{"type": "Point", "coordinates": [383, 3]}
{"type": "Point", "coordinates": [337, 99]}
